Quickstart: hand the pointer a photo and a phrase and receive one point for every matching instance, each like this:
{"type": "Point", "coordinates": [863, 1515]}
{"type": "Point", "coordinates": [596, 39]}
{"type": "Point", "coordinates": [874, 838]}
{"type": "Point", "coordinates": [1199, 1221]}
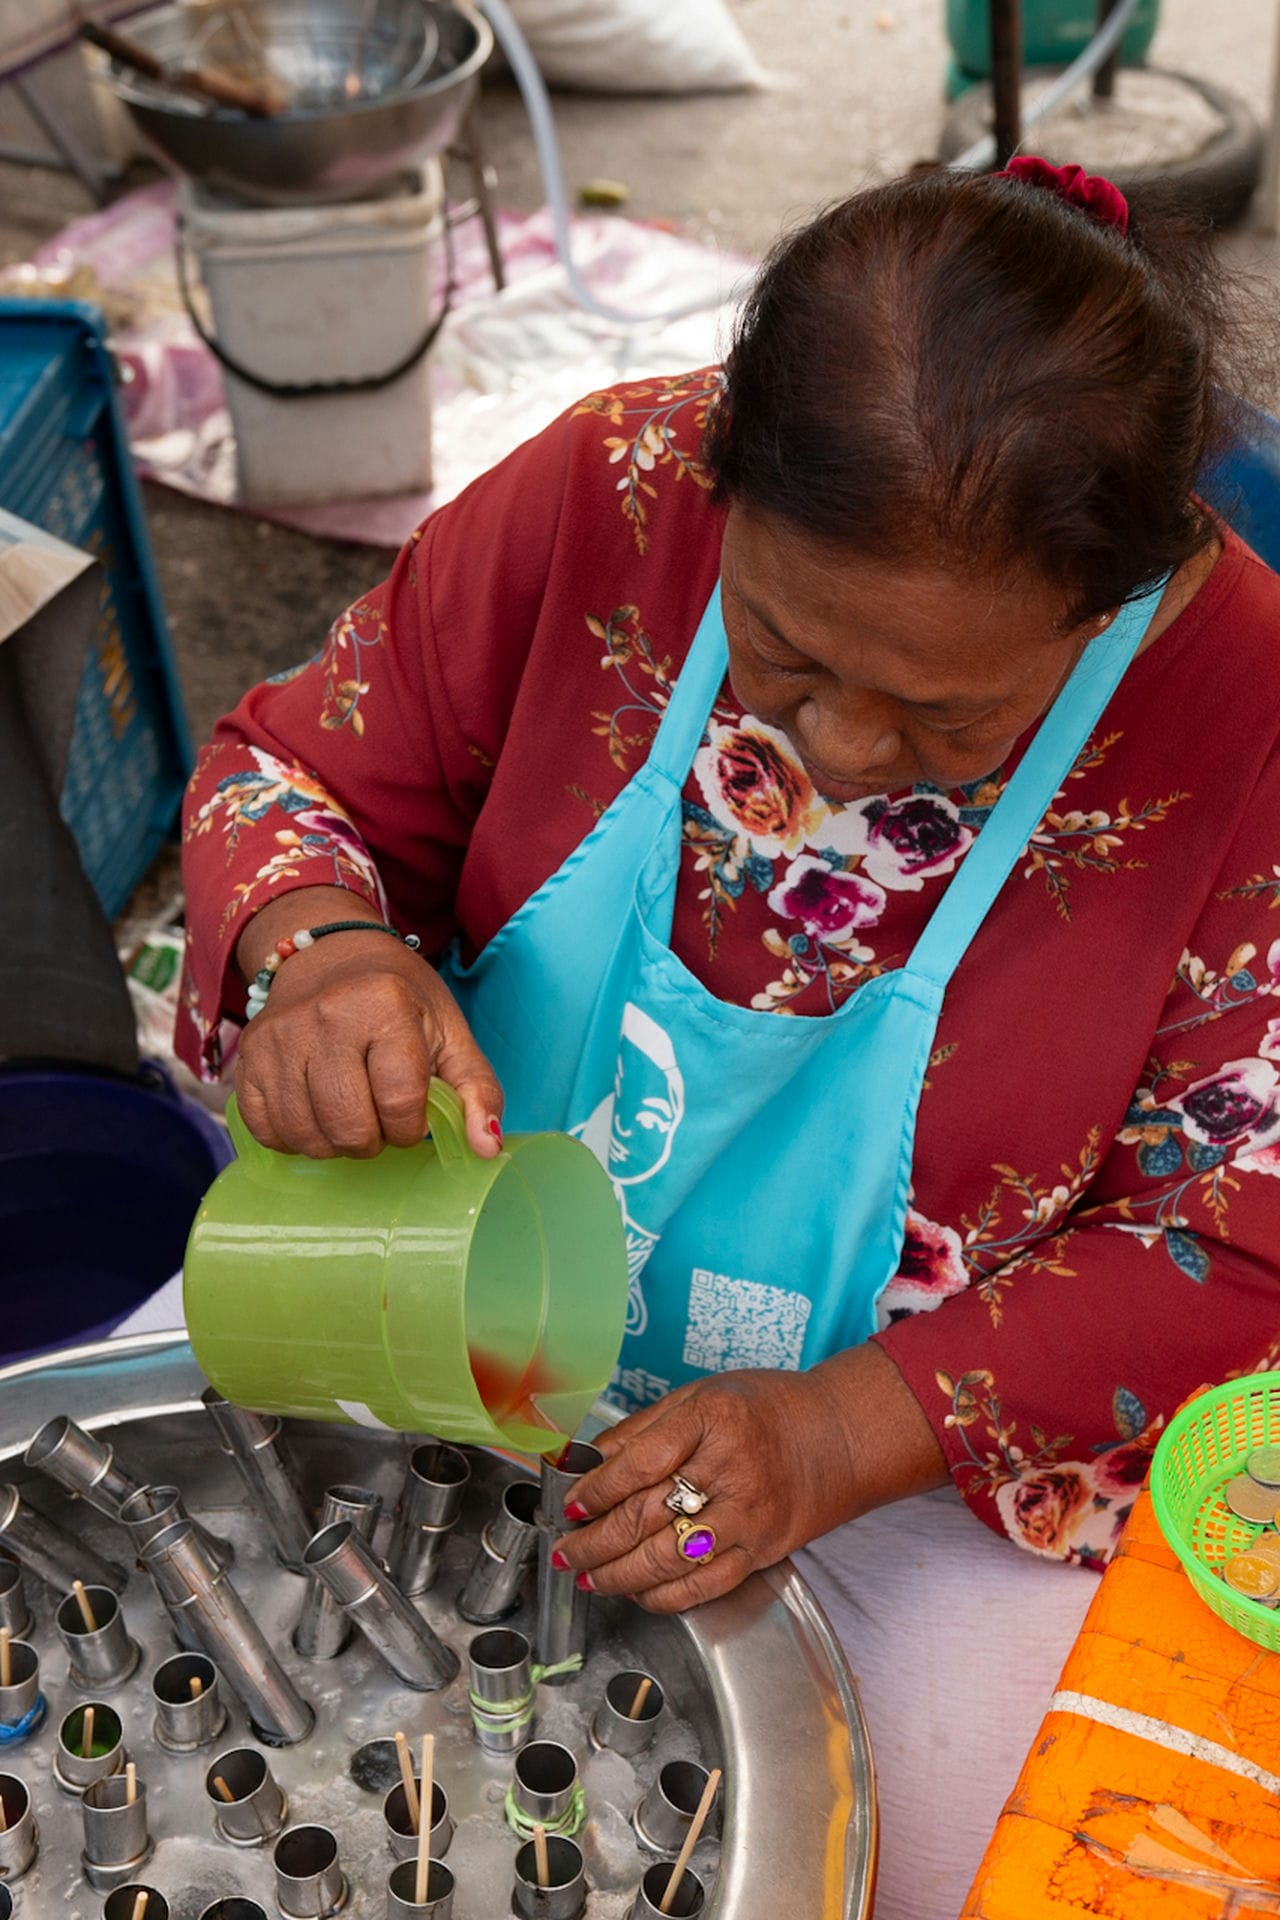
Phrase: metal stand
{"type": "Point", "coordinates": [67, 155]}
{"type": "Point", "coordinates": [1006, 78]}
{"type": "Point", "coordinates": [1104, 80]}
{"type": "Point", "coordinates": [469, 152]}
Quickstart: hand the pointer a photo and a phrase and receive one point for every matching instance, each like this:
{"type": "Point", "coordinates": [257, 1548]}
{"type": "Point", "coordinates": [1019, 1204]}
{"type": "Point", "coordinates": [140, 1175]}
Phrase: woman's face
{"type": "Point", "coordinates": [883, 675]}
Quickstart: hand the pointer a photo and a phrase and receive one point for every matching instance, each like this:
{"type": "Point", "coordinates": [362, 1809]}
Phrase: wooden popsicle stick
{"type": "Point", "coordinates": [540, 1854]}
{"type": "Point", "coordinates": [691, 1839]}
{"type": "Point", "coordinates": [130, 1784]}
{"type": "Point", "coordinates": [220, 1786]}
{"type": "Point", "coordinates": [6, 1658]}
{"type": "Point", "coordinates": [86, 1609]}
{"type": "Point", "coordinates": [86, 1733]}
{"type": "Point", "coordinates": [197, 1686]}
{"type": "Point", "coordinates": [424, 1822]}
{"type": "Point", "coordinates": [140, 1904]}
{"type": "Point", "coordinates": [410, 1784]}
{"type": "Point", "coordinates": [4, 1818]}
{"type": "Point", "coordinates": [642, 1694]}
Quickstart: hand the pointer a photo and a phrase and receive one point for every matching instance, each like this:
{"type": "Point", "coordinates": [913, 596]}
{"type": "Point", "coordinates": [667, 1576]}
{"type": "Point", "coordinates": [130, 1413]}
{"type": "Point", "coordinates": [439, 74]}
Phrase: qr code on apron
{"type": "Point", "coordinates": [743, 1323]}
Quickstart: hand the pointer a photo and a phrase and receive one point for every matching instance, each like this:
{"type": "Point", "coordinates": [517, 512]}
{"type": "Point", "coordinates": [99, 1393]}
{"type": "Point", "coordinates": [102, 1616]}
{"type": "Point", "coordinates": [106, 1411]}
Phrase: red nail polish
{"type": "Point", "coordinates": [495, 1129]}
{"type": "Point", "coordinates": [574, 1510]}
{"type": "Point", "coordinates": [585, 1581]}
{"type": "Point", "coordinates": [558, 1561]}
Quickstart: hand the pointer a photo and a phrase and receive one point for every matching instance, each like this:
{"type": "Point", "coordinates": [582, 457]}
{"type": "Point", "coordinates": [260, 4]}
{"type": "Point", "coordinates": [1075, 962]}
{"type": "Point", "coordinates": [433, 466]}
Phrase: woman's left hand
{"type": "Point", "coordinates": [782, 1457]}
{"type": "Point", "coordinates": [769, 1449]}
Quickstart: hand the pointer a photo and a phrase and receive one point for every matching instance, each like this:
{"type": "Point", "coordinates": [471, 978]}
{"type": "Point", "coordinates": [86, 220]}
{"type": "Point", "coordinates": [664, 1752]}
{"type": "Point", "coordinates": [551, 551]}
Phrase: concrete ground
{"type": "Point", "coordinates": [856, 96]}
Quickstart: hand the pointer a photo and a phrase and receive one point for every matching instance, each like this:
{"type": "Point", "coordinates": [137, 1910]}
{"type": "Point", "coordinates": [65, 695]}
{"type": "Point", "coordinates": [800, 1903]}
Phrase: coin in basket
{"type": "Point", "coordinates": [1251, 1575]}
{"type": "Point", "coordinates": [1248, 1501]}
{"type": "Point", "coordinates": [1259, 1551]}
{"type": "Point", "coordinates": [1267, 1547]}
{"type": "Point", "coordinates": [1263, 1465]}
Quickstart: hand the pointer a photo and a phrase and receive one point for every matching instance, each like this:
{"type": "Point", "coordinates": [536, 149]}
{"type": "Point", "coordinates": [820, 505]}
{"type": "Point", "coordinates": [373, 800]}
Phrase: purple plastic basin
{"type": "Point", "coordinates": [100, 1180]}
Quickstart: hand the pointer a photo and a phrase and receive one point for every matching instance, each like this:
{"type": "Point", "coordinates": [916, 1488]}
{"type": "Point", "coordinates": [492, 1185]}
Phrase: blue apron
{"type": "Point", "coordinates": [762, 1163]}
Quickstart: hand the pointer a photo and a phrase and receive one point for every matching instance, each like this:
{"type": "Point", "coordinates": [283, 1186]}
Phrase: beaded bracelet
{"type": "Point", "coordinates": [307, 937]}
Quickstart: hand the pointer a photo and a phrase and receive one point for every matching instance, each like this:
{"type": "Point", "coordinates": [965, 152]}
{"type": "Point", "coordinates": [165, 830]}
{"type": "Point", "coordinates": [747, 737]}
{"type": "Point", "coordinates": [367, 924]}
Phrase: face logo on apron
{"type": "Point", "coordinates": [632, 1133]}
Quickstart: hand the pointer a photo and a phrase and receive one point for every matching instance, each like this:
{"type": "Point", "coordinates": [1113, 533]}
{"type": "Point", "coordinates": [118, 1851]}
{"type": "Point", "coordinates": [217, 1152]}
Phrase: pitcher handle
{"type": "Point", "coordinates": [247, 1148]}
{"type": "Point", "coordinates": [444, 1112]}
{"type": "Point", "coordinates": [447, 1122]}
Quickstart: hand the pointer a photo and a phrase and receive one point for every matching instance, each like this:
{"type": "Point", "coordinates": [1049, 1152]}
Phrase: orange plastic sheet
{"type": "Point", "coordinates": [1154, 1786]}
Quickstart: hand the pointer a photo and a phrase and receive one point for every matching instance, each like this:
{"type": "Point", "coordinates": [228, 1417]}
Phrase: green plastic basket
{"type": "Point", "coordinates": [1202, 1448]}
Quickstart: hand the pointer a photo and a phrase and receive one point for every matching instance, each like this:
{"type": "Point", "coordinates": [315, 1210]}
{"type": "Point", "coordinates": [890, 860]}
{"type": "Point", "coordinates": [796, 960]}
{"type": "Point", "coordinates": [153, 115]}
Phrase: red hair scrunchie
{"type": "Point", "coordinates": [1098, 198]}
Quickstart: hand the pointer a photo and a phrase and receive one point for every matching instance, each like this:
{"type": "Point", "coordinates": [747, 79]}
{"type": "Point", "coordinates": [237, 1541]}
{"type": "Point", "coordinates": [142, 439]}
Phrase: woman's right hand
{"type": "Point", "coordinates": [339, 1059]}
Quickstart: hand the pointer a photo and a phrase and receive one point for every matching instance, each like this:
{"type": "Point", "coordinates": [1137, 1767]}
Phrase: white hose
{"type": "Point", "coordinates": [537, 102]}
{"type": "Point", "coordinates": [978, 157]}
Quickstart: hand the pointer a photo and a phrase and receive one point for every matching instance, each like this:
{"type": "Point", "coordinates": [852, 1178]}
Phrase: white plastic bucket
{"type": "Point", "coordinates": [324, 294]}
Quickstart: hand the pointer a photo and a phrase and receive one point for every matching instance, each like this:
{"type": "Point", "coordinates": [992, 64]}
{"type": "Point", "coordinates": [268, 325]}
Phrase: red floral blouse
{"type": "Point", "coordinates": [1095, 1224]}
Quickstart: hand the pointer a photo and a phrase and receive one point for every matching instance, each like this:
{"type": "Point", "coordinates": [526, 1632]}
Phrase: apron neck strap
{"type": "Point", "coordinates": [1040, 773]}
{"type": "Point", "coordinates": [682, 725]}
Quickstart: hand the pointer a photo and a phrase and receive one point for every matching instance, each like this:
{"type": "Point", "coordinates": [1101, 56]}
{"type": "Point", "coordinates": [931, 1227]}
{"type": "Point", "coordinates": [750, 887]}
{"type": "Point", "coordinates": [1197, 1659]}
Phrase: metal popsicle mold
{"type": "Point", "coordinates": [723, 1671]}
{"type": "Point", "coordinates": [323, 1628]}
{"type": "Point", "coordinates": [15, 1607]}
{"type": "Point", "coordinates": [565, 1894]}
{"type": "Point", "coordinates": [103, 1657]}
{"type": "Point", "coordinates": [81, 1463]}
{"type": "Point", "coordinates": [20, 1840]}
{"type": "Point", "coordinates": [117, 1843]}
{"type": "Point", "coordinates": [402, 1837]}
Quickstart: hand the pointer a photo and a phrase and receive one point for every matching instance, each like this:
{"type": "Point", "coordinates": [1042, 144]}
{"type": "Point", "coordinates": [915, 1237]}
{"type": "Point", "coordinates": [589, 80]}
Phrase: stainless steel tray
{"type": "Point", "coordinates": [755, 1683]}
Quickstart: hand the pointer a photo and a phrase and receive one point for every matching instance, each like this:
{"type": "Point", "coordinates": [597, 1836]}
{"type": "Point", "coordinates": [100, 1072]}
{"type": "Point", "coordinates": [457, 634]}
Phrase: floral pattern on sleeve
{"type": "Point", "coordinates": [353, 635]}
{"type": "Point", "coordinates": [1072, 840]}
{"type": "Point", "coordinates": [1196, 1141]}
{"type": "Point", "coordinates": [629, 727]}
{"type": "Point", "coordinates": [990, 1250]}
{"type": "Point", "coordinates": [1199, 1141]}
{"type": "Point", "coordinates": [932, 1268]}
{"type": "Point", "coordinates": [1060, 1509]}
{"type": "Point", "coordinates": [314, 841]}
{"type": "Point", "coordinates": [655, 420]}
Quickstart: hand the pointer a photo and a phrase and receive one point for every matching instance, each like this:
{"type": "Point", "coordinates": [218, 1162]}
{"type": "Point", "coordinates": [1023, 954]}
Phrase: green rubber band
{"type": "Point", "coordinates": [572, 1665]}
{"type": "Point", "coordinates": [562, 1829]}
{"type": "Point", "coordinates": [490, 1718]}
{"type": "Point", "coordinates": [508, 1716]}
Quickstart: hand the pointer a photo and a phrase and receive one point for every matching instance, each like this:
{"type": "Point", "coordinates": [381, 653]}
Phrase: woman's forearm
{"type": "Point", "coordinates": [888, 1450]}
{"type": "Point", "coordinates": [304, 907]}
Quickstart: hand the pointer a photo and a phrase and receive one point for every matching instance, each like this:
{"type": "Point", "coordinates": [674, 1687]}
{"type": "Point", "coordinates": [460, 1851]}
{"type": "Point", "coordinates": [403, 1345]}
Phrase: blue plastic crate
{"type": "Point", "coordinates": [65, 466]}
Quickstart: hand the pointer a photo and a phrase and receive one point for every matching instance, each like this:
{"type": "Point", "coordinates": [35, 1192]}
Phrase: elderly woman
{"type": "Point", "coordinates": [843, 788]}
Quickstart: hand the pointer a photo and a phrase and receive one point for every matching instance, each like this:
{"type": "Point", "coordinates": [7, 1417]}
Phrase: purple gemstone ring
{"type": "Point", "coordinates": [694, 1541]}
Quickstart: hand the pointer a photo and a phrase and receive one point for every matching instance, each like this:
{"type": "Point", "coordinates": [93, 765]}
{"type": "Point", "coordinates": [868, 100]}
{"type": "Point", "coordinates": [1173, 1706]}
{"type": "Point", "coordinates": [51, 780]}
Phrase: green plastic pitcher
{"type": "Point", "coordinates": [426, 1290]}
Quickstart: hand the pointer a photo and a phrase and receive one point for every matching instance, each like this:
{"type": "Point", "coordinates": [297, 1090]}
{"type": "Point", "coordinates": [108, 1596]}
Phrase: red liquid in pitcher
{"type": "Point", "coordinates": [509, 1394]}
